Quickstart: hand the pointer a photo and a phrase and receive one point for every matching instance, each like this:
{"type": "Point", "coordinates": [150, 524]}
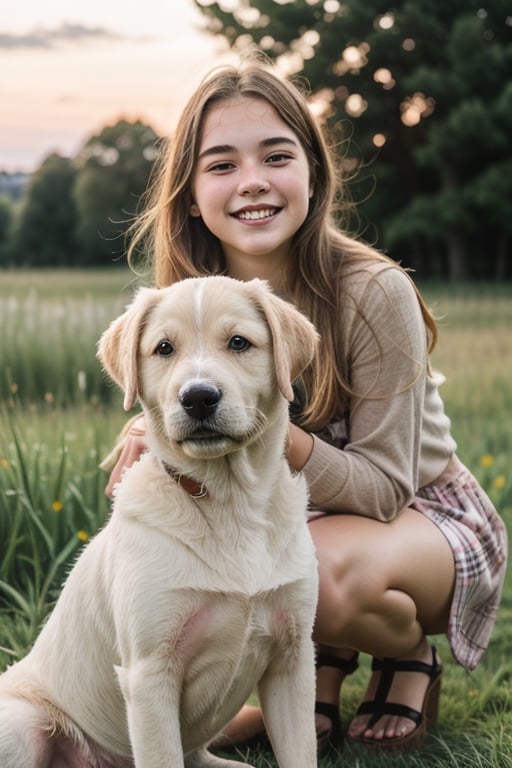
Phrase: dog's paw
{"type": "Point", "coordinates": [201, 758]}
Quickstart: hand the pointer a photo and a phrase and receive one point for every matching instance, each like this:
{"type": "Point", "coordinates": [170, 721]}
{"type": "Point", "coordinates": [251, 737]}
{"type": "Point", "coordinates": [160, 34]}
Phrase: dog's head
{"type": "Point", "coordinates": [207, 358]}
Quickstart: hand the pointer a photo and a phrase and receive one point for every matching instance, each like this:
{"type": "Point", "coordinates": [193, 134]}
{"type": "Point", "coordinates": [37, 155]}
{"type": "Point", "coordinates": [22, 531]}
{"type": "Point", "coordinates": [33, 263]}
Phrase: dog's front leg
{"type": "Point", "coordinates": [287, 698]}
{"type": "Point", "coordinates": [152, 699]}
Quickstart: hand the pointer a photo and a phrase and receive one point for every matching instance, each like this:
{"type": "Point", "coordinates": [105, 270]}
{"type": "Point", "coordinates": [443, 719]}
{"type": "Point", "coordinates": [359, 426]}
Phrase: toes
{"type": "Point", "coordinates": [398, 727]}
{"type": "Point", "coordinates": [358, 726]}
{"type": "Point", "coordinates": [385, 728]}
{"type": "Point", "coordinates": [323, 726]}
{"type": "Point", "coordinates": [392, 728]}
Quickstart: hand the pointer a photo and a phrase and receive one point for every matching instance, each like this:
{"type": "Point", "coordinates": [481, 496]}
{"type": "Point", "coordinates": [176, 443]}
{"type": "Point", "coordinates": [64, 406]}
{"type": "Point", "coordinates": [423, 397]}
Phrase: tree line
{"type": "Point", "coordinates": [75, 211]}
{"type": "Point", "coordinates": [417, 97]}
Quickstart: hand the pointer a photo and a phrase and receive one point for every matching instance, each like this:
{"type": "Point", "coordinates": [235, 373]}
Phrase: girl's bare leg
{"type": "Point", "coordinates": [383, 588]}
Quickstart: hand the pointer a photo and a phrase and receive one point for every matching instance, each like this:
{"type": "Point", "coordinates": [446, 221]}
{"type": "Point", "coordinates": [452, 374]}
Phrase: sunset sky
{"type": "Point", "coordinates": [68, 69]}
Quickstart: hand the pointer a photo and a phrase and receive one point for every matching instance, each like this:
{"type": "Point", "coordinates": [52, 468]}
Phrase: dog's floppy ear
{"type": "Point", "coordinates": [294, 337]}
{"type": "Point", "coordinates": [119, 345]}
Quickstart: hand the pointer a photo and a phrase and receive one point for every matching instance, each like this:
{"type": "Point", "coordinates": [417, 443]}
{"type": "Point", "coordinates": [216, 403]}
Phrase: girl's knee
{"type": "Point", "coordinates": [347, 593]}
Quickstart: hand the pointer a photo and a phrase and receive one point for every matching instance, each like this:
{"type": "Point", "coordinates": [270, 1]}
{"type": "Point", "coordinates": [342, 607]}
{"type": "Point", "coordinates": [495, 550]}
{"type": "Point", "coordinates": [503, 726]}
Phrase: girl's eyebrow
{"type": "Point", "coordinates": [221, 149]}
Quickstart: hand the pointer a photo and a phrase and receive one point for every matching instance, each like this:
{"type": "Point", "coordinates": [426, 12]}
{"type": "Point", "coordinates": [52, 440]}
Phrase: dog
{"type": "Point", "coordinates": [202, 586]}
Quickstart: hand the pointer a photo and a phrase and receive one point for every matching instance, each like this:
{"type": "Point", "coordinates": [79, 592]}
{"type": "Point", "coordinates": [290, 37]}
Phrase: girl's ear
{"type": "Point", "coordinates": [194, 210]}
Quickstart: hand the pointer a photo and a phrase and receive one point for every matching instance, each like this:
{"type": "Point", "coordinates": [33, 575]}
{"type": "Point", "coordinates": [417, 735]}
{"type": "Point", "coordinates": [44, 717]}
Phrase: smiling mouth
{"type": "Point", "coordinates": [262, 213]}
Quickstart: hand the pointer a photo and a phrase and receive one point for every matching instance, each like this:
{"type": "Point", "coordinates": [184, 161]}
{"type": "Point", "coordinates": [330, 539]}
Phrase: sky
{"type": "Point", "coordinates": [67, 69]}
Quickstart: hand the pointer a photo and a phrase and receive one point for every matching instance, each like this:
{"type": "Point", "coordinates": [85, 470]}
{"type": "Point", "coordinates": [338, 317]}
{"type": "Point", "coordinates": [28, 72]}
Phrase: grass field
{"type": "Point", "coordinates": [58, 417]}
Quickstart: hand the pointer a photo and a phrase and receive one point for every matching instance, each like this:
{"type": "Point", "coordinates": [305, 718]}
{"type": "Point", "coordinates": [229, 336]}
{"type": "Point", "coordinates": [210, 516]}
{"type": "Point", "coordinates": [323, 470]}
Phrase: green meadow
{"type": "Point", "coordinates": [59, 417]}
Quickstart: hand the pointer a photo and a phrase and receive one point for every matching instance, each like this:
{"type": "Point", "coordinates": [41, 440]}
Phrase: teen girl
{"type": "Point", "coordinates": [408, 544]}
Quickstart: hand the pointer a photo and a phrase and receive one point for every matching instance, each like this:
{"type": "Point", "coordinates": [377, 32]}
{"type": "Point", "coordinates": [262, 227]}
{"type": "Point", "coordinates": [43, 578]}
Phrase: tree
{"type": "Point", "coordinates": [466, 149]}
{"type": "Point", "coordinates": [113, 171]}
{"type": "Point", "coordinates": [44, 230]}
{"type": "Point", "coordinates": [6, 216]}
{"type": "Point", "coordinates": [421, 89]}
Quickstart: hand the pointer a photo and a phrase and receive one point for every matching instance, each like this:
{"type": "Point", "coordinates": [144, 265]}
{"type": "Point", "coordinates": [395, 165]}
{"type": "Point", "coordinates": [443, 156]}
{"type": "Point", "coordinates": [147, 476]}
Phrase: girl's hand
{"type": "Point", "coordinates": [300, 445]}
{"type": "Point", "coordinates": [131, 445]}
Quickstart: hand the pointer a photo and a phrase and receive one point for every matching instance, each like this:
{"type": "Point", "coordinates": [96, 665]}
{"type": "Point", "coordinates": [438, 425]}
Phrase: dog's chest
{"type": "Point", "coordinates": [228, 641]}
{"type": "Point", "coordinates": [249, 567]}
{"type": "Point", "coordinates": [245, 625]}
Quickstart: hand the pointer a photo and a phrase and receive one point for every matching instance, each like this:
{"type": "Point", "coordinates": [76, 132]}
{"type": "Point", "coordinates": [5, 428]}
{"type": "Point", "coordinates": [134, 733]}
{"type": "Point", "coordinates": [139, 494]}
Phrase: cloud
{"type": "Point", "coordinates": [52, 38]}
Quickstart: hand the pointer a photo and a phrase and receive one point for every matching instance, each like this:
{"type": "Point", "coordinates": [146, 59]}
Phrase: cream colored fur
{"type": "Point", "coordinates": [180, 606]}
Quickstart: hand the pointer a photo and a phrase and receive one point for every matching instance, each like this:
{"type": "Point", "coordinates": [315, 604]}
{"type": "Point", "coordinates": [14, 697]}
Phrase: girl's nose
{"type": "Point", "coordinates": [253, 183]}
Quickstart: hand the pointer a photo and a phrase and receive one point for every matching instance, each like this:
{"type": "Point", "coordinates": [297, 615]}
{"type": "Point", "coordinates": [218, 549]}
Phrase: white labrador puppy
{"type": "Point", "coordinates": [203, 583]}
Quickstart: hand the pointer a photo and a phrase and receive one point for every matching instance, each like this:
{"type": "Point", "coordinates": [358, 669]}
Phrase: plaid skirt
{"type": "Point", "coordinates": [477, 535]}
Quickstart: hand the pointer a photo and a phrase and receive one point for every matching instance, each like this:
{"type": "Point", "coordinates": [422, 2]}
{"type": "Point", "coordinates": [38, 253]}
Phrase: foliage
{"type": "Point", "coordinates": [6, 216]}
{"type": "Point", "coordinates": [113, 171]}
{"type": "Point", "coordinates": [422, 92]}
{"type": "Point", "coordinates": [44, 231]}
{"type": "Point", "coordinates": [47, 509]}
{"type": "Point", "coordinates": [76, 211]}
{"type": "Point", "coordinates": [52, 500]}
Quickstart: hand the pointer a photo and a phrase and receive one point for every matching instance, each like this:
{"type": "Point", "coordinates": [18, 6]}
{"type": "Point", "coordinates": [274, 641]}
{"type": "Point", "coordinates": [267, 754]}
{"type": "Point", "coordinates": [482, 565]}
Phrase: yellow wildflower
{"type": "Point", "coordinates": [57, 506]}
{"type": "Point", "coordinates": [4, 463]}
{"type": "Point", "coordinates": [487, 460]}
{"type": "Point", "coordinates": [500, 482]}
{"type": "Point", "coordinates": [82, 535]}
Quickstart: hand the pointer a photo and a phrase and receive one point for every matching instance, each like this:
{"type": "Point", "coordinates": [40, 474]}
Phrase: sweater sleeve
{"type": "Point", "coordinates": [376, 473]}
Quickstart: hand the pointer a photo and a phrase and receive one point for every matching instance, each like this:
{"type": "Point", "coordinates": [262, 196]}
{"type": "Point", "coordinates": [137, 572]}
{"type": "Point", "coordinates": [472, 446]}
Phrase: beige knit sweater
{"type": "Point", "coordinates": [396, 435]}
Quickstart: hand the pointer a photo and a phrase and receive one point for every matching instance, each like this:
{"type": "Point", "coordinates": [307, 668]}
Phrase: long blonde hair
{"type": "Point", "coordinates": [180, 245]}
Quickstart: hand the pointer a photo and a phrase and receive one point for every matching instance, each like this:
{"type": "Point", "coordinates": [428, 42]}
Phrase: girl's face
{"type": "Point", "coordinates": [251, 185]}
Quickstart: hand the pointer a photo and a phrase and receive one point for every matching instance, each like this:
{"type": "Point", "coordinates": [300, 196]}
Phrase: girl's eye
{"type": "Point", "coordinates": [164, 348]}
{"type": "Point", "coordinates": [239, 344]}
{"type": "Point", "coordinates": [278, 157]}
{"type": "Point", "coordinates": [221, 167]}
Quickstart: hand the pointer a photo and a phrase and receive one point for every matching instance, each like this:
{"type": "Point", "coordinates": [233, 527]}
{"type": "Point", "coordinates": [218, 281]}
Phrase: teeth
{"type": "Point", "coordinates": [252, 215]}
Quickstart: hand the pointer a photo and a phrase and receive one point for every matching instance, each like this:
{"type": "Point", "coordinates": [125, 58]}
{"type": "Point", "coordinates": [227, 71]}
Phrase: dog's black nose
{"type": "Point", "coordinates": [200, 400]}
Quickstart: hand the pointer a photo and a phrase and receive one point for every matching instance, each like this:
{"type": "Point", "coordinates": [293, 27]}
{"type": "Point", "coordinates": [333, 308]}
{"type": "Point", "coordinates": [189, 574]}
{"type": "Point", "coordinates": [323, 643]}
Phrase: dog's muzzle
{"type": "Point", "coordinates": [202, 429]}
{"type": "Point", "coordinates": [200, 400]}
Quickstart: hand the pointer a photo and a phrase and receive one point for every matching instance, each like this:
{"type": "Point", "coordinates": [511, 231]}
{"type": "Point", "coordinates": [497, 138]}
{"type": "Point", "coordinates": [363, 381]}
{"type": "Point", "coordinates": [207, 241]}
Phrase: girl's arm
{"type": "Point", "coordinates": [299, 448]}
{"type": "Point", "coordinates": [376, 472]}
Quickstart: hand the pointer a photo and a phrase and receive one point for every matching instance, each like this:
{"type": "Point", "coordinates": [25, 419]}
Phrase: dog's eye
{"type": "Point", "coordinates": [164, 348]}
{"type": "Point", "coordinates": [239, 344]}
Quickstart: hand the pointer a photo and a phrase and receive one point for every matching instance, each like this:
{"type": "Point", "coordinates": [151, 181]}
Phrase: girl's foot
{"type": "Point", "coordinates": [401, 699]}
{"type": "Point", "coordinates": [246, 729]}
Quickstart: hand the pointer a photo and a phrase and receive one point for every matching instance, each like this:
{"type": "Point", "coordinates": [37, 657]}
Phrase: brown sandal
{"type": "Point", "coordinates": [379, 706]}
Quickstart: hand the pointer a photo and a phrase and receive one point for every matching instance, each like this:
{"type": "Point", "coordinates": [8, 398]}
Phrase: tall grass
{"type": "Point", "coordinates": [52, 501]}
{"type": "Point", "coordinates": [58, 418]}
{"type": "Point", "coordinates": [50, 325]}
{"type": "Point", "coordinates": [54, 431]}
